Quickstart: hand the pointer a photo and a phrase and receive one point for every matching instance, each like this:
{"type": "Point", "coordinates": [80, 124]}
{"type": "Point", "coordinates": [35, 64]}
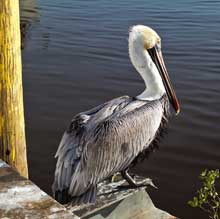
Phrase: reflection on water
{"type": "Point", "coordinates": [76, 58]}
{"type": "Point", "coordinates": [28, 15]}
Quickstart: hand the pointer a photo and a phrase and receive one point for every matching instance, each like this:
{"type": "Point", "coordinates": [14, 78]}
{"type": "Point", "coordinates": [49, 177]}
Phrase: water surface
{"type": "Point", "coordinates": [75, 57]}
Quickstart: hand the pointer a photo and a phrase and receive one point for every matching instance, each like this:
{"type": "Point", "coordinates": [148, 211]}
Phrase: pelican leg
{"type": "Point", "coordinates": [133, 184]}
{"type": "Point", "coordinates": [129, 179]}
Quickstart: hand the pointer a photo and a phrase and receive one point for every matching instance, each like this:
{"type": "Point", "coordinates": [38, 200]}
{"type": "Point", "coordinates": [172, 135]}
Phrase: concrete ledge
{"type": "Point", "coordinates": [21, 199]}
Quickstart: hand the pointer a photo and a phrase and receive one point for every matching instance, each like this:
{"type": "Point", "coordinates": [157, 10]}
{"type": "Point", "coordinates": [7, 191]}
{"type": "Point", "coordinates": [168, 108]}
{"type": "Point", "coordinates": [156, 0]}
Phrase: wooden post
{"type": "Point", "coordinates": [12, 131]}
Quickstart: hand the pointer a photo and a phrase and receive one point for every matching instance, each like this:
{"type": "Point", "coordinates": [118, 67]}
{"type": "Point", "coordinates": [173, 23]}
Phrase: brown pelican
{"type": "Point", "coordinates": [111, 137]}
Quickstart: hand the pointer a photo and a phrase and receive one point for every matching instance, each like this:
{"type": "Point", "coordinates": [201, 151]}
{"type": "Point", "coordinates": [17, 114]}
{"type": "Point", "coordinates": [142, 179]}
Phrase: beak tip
{"type": "Point", "coordinates": [177, 112]}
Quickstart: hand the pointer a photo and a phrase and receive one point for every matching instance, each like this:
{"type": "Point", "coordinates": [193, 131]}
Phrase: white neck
{"type": "Point", "coordinates": [146, 68]}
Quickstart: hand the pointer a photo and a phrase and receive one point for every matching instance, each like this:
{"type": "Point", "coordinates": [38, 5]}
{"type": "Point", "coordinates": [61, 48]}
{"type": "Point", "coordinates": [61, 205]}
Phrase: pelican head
{"type": "Point", "coordinates": [146, 56]}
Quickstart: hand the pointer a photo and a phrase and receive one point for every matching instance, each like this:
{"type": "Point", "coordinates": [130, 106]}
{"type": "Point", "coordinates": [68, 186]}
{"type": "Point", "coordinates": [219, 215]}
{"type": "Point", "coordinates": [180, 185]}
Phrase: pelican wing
{"type": "Point", "coordinates": [114, 142]}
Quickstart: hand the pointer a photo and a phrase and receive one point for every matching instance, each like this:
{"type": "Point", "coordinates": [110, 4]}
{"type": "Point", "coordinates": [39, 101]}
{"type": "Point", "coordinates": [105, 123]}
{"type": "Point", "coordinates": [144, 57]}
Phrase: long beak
{"type": "Point", "coordinates": [157, 57]}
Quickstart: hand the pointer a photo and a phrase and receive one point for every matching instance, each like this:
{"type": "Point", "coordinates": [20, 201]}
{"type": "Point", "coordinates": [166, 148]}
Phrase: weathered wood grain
{"type": "Point", "coordinates": [12, 131]}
